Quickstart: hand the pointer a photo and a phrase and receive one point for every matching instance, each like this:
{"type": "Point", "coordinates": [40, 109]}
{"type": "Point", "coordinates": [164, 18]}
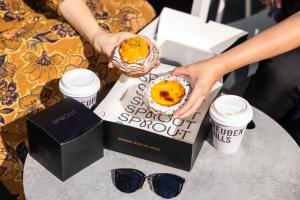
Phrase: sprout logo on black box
{"type": "Point", "coordinates": [64, 117]}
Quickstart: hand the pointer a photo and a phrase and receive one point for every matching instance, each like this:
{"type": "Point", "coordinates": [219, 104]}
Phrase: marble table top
{"type": "Point", "coordinates": [266, 166]}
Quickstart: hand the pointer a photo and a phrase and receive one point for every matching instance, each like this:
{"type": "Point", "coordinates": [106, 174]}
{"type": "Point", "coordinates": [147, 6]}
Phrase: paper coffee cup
{"type": "Point", "coordinates": [230, 115]}
{"type": "Point", "coordinates": [81, 85]}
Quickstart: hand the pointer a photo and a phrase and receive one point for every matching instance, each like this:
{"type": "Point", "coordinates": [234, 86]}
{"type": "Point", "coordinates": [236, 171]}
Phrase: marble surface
{"type": "Point", "coordinates": [266, 167]}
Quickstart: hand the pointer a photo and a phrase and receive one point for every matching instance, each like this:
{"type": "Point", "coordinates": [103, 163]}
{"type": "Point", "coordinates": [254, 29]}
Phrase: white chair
{"type": "Point", "coordinates": [201, 8]}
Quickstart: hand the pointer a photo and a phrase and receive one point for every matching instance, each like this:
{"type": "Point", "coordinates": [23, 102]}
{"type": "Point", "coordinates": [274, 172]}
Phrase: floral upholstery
{"type": "Point", "coordinates": [36, 48]}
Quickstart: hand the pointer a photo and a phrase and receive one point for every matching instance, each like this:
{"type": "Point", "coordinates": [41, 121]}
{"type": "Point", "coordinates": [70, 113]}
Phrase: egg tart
{"type": "Point", "coordinates": [136, 56]}
{"type": "Point", "coordinates": [167, 94]}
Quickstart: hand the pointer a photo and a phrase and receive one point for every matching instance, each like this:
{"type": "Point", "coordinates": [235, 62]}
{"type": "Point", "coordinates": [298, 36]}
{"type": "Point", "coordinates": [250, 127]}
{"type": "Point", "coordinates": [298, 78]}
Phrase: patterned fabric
{"type": "Point", "coordinates": [36, 48]}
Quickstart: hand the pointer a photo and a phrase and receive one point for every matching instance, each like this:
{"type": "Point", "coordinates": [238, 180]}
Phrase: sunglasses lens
{"type": "Point", "coordinates": [128, 180]}
{"type": "Point", "coordinates": [167, 185]}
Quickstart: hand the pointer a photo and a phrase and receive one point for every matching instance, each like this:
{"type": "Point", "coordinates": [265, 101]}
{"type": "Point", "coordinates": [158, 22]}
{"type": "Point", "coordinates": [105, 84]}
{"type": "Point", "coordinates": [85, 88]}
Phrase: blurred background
{"type": "Point", "coordinates": [234, 9]}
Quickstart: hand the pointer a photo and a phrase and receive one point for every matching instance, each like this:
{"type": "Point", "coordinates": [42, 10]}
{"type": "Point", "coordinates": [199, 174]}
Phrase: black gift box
{"type": "Point", "coordinates": [65, 138]}
{"type": "Point", "coordinates": [153, 147]}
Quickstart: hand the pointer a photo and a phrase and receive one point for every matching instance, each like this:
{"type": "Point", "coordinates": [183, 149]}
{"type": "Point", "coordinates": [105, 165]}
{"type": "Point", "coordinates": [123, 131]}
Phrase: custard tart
{"type": "Point", "coordinates": [135, 57]}
{"type": "Point", "coordinates": [167, 94]}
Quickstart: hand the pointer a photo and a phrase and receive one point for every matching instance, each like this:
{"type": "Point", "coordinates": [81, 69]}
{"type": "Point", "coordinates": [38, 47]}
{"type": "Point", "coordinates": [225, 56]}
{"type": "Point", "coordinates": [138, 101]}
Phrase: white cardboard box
{"type": "Point", "coordinates": [131, 129]}
{"type": "Point", "coordinates": [124, 105]}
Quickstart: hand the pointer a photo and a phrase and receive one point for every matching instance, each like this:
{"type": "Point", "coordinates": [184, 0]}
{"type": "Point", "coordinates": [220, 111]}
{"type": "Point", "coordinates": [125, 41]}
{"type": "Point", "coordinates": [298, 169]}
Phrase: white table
{"type": "Point", "coordinates": [266, 167]}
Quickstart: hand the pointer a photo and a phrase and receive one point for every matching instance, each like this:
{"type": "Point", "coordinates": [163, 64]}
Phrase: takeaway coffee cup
{"type": "Point", "coordinates": [230, 115]}
{"type": "Point", "coordinates": [81, 85]}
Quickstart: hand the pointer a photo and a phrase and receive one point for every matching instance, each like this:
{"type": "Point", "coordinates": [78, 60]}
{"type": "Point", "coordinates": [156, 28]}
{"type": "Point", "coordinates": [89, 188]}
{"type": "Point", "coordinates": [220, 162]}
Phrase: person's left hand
{"type": "Point", "coordinates": [106, 42]}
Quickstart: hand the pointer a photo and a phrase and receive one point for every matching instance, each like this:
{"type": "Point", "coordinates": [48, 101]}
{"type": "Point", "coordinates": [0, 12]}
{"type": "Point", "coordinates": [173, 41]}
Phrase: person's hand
{"type": "Point", "coordinates": [106, 42]}
{"type": "Point", "coordinates": [204, 75]}
{"type": "Point", "coordinates": [268, 3]}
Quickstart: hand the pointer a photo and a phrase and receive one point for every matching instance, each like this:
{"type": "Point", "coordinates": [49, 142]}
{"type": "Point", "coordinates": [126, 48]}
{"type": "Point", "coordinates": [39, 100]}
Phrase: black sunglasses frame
{"type": "Point", "coordinates": [149, 179]}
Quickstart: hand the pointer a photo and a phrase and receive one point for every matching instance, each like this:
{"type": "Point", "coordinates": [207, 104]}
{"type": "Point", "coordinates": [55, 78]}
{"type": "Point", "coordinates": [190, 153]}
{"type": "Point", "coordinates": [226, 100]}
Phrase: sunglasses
{"type": "Point", "coordinates": [163, 184]}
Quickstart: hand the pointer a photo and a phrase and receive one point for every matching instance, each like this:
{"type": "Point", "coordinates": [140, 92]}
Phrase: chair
{"type": "Point", "coordinates": [201, 8]}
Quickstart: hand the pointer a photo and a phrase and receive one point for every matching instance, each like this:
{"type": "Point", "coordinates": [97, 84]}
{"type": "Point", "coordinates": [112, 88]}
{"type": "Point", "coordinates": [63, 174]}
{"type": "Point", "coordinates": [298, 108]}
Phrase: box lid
{"type": "Point", "coordinates": [190, 31]}
{"type": "Point", "coordinates": [65, 120]}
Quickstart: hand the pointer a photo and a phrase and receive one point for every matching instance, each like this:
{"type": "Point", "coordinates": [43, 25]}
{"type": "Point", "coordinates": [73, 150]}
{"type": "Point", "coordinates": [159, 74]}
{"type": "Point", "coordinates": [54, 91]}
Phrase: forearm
{"type": "Point", "coordinates": [276, 40]}
{"type": "Point", "coordinates": [80, 17]}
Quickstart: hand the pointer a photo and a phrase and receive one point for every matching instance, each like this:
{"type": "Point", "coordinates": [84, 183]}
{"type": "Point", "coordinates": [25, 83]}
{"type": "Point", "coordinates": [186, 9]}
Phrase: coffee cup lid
{"type": "Point", "coordinates": [231, 110]}
{"type": "Point", "coordinates": [79, 83]}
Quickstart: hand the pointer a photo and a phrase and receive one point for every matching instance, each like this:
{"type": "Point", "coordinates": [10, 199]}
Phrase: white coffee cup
{"type": "Point", "coordinates": [230, 115]}
{"type": "Point", "coordinates": [81, 85]}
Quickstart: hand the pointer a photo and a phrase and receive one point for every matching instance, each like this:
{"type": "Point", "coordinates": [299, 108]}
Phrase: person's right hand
{"type": "Point", "coordinates": [268, 3]}
{"type": "Point", "coordinates": [204, 75]}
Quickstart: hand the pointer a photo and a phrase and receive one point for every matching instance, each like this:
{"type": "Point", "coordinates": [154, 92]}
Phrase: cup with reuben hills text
{"type": "Point", "coordinates": [81, 85]}
{"type": "Point", "coordinates": [230, 115]}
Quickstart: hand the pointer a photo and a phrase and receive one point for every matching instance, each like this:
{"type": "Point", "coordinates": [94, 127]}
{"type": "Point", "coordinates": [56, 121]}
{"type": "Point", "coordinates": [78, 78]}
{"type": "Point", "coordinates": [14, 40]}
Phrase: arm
{"type": "Point", "coordinates": [80, 17]}
{"type": "Point", "coordinates": [276, 40]}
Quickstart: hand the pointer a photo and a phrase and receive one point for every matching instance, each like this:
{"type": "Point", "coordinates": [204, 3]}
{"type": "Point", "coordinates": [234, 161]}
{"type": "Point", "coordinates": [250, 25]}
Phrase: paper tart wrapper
{"type": "Point", "coordinates": [166, 110]}
{"type": "Point", "coordinates": [140, 67]}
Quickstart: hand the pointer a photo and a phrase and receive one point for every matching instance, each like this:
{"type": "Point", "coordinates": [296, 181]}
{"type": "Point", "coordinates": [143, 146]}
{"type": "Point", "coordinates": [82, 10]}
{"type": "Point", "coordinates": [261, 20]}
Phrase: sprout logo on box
{"type": "Point", "coordinates": [64, 117]}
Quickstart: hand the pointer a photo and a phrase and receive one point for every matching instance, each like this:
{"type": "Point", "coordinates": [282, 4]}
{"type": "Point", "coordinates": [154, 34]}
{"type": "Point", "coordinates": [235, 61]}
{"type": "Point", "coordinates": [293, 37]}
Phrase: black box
{"type": "Point", "coordinates": [153, 147]}
{"type": "Point", "coordinates": [65, 138]}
